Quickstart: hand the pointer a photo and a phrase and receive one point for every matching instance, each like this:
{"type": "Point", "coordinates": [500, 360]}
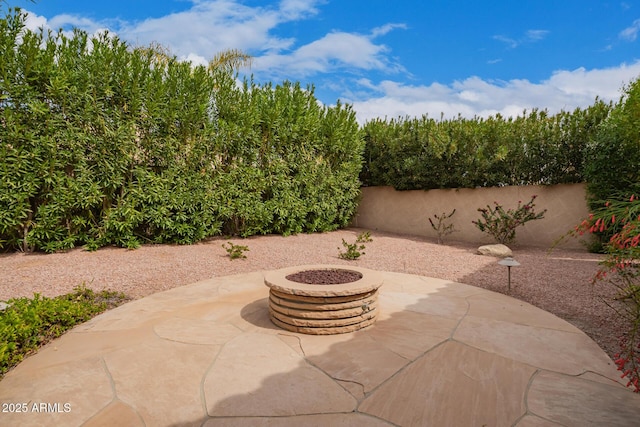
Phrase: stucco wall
{"type": "Point", "coordinates": [407, 212]}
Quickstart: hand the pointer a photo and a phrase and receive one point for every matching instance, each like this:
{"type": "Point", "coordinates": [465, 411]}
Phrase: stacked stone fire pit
{"type": "Point", "coordinates": [323, 299]}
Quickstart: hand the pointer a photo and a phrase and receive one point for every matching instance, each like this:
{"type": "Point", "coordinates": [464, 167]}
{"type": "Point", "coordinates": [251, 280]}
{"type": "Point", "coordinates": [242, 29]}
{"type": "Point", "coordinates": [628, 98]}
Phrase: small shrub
{"type": "Point", "coordinates": [354, 250]}
{"type": "Point", "coordinates": [501, 224]}
{"type": "Point", "coordinates": [26, 324]}
{"type": "Point", "coordinates": [235, 251]}
{"type": "Point", "coordinates": [441, 227]}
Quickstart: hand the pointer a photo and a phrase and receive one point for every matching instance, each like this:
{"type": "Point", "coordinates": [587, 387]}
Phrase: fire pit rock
{"type": "Point", "coordinates": [323, 299]}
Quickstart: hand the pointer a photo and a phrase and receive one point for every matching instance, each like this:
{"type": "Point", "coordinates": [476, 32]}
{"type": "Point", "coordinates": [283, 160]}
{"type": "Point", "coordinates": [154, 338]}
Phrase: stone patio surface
{"type": "Point", "coordinates": [206, 354]}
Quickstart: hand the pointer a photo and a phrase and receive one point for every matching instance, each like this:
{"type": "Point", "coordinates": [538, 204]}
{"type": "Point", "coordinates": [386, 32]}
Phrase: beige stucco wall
{"type": "Point", "coordinates": [407, 212]}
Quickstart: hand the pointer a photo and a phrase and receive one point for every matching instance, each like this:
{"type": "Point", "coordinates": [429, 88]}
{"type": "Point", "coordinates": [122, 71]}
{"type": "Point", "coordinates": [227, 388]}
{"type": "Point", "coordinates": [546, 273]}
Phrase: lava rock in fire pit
{"type": "Point", "coordinates": [325, 277]}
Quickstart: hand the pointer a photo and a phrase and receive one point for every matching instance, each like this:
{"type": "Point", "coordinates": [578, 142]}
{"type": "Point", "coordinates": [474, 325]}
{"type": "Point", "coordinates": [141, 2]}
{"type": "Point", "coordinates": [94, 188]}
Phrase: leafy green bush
{"type": "Point", "coordinates": [104, 144]}
{"type": "Point", "coordinates": [501, 224]}
{"type": "Point", "coordinates": [27, 324]}
{"type": "Point", "coordinates": [356, 249]}
{"type": "Point", "coordinates": [613, 155]}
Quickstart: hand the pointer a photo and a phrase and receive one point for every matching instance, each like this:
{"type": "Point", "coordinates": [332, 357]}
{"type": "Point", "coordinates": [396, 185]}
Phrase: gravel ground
{"type": "Point", "coordinates": [559, 282]}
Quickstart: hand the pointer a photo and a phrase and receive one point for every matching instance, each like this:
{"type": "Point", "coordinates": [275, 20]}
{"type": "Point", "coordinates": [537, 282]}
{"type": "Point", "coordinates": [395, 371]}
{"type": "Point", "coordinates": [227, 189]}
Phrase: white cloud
{"type": "Point", "coordinates": [298, 9]}
{"type": "Point", "coordinates": [631, 33]}
{"type": "Point", "coordinates": [530, 36]}
{"type": "Point", "coordinates": [35, 22]}
{"type": "Point", "coordinates": [535, 35]}
{"type": "Point", "coordinates": [564, 90]}
{"type": "Point", "coordinates": [506, 40]}
{"type": "Point", "coordinates": [195, 59]}
{"type": "Point", "coordinates": [336, 50]}
{"type": "Point", "coordinates": [346, 48]}
{"type": "Point", "coordinates": [381, 31]}
{"type": "Point", "coordinates": [212, 26]}
{"type": "Point", "coordinates": [66, 22]}
{"type": "Point", "coordinates": [209, 27]}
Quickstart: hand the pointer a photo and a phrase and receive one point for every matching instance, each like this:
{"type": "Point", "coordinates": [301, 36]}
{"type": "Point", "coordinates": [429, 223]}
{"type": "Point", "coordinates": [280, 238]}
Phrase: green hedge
{"type": "Point", "coordinates": [536, 148]}
{"type": "Point", "coordinates": [613, 167]}
{"type": "Point", "coordinates": [104, 144]}
{"type": "Point", "coordinates": [612, 171]}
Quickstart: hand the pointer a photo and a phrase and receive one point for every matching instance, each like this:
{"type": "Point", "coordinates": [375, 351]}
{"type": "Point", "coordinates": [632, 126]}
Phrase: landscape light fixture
{"type": "Point", "coordinates": [509, 262]}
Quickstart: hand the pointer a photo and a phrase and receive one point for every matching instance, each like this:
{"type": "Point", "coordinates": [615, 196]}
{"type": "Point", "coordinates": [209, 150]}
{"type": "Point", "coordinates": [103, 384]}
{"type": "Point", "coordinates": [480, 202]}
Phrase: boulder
{"type": "Point", "coordinates": [499, 251]}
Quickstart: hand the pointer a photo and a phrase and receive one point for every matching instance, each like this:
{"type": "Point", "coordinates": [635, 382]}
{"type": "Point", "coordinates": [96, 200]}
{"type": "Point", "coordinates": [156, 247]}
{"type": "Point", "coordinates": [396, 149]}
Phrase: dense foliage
{"type": "Point", "coordinates": [613, 186]}
{"type": "Point", "coordinates": [28, 323]}
{"type": "Point", "coordinates": [614, 153]}
{"type": "Point", "coordinates": [536, 148]}
{"type": "Point", "coordinates": [106, 144]}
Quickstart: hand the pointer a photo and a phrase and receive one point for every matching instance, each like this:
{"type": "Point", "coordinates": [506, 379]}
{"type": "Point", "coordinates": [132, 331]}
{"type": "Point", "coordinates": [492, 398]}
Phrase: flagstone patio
{"type": "Point", "coordinates": [206, 354]}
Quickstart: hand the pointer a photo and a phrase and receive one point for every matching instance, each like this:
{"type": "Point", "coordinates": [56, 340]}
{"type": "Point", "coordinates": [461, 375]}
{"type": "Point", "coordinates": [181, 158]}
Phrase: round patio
{"type": "Point", "coordinates": [440, 353]}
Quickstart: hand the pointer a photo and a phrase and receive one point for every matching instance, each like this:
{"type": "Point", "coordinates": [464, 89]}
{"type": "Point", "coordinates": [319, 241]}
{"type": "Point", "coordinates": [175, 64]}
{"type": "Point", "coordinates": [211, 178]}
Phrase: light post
{"type": "Point", "coordinates": [509, 262]}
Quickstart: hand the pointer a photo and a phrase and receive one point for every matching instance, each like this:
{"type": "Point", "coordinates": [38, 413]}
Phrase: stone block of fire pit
{"type": "Point", "coordinates": [323, 299]}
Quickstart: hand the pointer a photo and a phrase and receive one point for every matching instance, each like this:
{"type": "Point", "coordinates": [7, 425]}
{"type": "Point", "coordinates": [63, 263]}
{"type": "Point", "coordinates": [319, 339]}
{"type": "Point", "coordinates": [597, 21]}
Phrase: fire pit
{"type": "Point", "coordinates": [322, 299]}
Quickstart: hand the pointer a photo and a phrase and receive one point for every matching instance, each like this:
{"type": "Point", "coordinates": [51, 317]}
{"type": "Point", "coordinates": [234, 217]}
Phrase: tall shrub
{"type": "Point", "coordinates": [613, 156]}
{"type": "Point", "coordinates": [84, 120]}
{"type": "Point", "coordinates": [299, 160]}
{"type": "Point", "coordinates": [104, 144]}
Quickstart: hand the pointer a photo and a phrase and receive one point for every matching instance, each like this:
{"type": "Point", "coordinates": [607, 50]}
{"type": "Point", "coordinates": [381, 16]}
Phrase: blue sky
{"type": "Point", "coordinates": [393, 58]}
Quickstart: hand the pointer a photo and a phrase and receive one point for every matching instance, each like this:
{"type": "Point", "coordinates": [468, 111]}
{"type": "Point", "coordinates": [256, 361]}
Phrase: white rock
{"type": "Point", "coordinates": [499, 250]}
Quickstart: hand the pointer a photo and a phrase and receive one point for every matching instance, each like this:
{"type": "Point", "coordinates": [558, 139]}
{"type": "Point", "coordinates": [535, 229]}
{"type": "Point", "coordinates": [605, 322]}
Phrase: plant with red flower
{"type": "Point", "coordinates": [621, 268]}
